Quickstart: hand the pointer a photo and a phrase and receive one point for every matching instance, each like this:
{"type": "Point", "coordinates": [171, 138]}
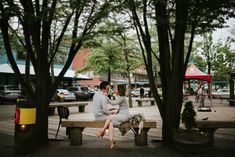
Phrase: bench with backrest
{"type": "Point", "coordinates": [209, 127]}
{"type": "Point", "coordinates": [81, 106]}
{"type": "Point", "coordinates": [74, 129]}
{"type": "Point", "coordinates": [140, 101]}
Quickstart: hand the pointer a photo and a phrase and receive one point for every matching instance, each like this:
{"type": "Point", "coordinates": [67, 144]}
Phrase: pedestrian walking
{"type": "Point", "coordinates": [141, 92]}
{"type": "Point", "coordinates": [202, 96]}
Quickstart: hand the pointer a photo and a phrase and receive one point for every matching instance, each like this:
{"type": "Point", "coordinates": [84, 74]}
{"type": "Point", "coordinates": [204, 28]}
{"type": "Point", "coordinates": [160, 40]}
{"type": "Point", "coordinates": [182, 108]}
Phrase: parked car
{"type": "Point", "coordinates": [92, 91]}
{"type": "Point", "coordinates": [81, 93]}
{"type": "Point", "coordinates": [136, 92]}
{"type": "Point", "coordinates": [64, 95]}
{"type": "Point", "coordinates": [9, 93]}
{"type": "Point", "coordinates": [221, 93]}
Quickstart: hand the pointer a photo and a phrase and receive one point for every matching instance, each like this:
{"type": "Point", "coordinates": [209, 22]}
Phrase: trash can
{"type": "Point", "coordinates": [25, 118]}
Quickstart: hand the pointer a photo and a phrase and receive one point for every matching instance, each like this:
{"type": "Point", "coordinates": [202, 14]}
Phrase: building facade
{"type": "Point", "coordinates": [138, 76]}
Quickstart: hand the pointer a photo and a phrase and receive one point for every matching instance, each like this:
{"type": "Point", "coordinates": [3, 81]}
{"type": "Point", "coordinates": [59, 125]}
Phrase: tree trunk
{"type": "Point", "coordinates": [129, 90]}
{"type": "Point", "coordinates": [171, 67]}
{"type": "Point", "coordinates": [43, 95]}
{"type": "Point", "coordinates": [171, 119]}
{"type": "Point", "coordinates": [27, 68]}
{"type": "Point", "coordinates": [42, 122]}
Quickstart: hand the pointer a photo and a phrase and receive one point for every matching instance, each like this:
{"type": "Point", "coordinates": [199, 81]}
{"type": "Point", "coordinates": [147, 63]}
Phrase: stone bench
{"type": "Point", "coordinates": [140, 101]}
{"type": "Point", "coordinates": [231, 102]}
{"type": "Point", "coordinates": [81, 106]}
{"type": "Point", "coordinates": [209, 127]}
{"type": "Point", "coordinates": [74, 129]}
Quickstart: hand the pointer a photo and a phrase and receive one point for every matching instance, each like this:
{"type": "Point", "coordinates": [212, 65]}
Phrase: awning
{"type": "Point", "coordinates": [6, 68]}
{"type": "Point", "coordinates": [193, 72]}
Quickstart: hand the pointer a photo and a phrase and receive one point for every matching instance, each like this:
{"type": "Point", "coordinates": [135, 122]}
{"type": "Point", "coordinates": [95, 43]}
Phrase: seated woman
{"type": "Point", "coordinates": [122, 115]}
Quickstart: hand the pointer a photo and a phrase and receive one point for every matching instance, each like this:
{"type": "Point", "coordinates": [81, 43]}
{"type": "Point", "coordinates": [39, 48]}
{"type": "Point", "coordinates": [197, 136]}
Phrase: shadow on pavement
{"type": "Point", "coordinates": [99, 148]}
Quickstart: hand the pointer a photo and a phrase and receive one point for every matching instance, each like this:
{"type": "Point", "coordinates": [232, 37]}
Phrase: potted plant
{"type": "Point", "coordinates": [190, 138]}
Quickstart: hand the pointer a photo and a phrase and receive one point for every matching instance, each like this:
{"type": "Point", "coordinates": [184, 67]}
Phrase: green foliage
{"type": "Point", "coordinates": [106, 58]}
{"type": "Point", "coordinates": [220, 55]}
{"type": "Point", "coordinates": [210, 14]}
{"type": "Point", "coordinates": [115, 49]}
{"type": "Point", "coordinates": [225, 61]}
{"type": "Point", "coordinates": [188, 116]}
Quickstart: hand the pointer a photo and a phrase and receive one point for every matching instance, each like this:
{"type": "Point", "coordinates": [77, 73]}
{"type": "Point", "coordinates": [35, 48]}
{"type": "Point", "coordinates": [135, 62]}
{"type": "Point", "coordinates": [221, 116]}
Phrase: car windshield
{"type": "Point", "coordinates": [72, 89]}
{"type": "Point", "coordinates": [85, 89]}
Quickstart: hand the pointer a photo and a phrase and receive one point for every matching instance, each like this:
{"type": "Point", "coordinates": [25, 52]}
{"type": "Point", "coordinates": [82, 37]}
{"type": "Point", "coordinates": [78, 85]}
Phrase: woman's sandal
{"type": "Point", "coordinates": [100, 133]}
{"type": "Point", "coordinates": [112, 143]}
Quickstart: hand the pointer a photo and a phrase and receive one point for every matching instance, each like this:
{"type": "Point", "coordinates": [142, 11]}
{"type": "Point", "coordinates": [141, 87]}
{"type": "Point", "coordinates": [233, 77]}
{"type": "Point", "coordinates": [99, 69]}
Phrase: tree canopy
{"type": "Point", "coordinates": [172, 20]}
{"type": "Point", "coordinates": [39, 23]}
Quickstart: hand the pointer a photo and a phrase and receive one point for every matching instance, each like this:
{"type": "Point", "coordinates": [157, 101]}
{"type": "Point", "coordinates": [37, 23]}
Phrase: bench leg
{"type": "Point", "coordinates": [51, 111]}
{"type": "Point", "coordinates": [81, 108]}
{"type": "Point", "coordinates": [152, 103]}
{"type": "Point", "coordinates": [210, 133]}
{"type": "Point", "coordinates": [231, 103]}
{"type": "Point", "coordinates": [75, 136]}
{"type": "Point", "coordinates": [68, 131]}
{"type": "Point", "coordinates": [142, 138]}
{"type": "Point", "coordinates": [139, 103]}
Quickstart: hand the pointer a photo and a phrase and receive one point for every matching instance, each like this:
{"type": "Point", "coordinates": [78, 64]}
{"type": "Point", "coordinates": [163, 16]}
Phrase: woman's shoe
{"type": "Point", "coordinates": [100, 133]}
{"type": "Point", "coordinates": [112, 143]}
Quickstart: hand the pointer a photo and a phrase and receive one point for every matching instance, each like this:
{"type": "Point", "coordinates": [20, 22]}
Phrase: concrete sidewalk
{"type": "Point", "coordinates": [98, 147]}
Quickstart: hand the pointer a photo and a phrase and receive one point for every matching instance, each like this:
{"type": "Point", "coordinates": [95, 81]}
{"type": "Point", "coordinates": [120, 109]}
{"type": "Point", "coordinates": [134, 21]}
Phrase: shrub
{"type": "Point", "coordinates": [188, 116]}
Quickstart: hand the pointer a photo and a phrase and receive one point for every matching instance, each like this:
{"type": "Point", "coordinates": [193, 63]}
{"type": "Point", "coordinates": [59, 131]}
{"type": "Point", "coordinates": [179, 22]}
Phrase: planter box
{"type": "Point", "coordinates": [193, 141]}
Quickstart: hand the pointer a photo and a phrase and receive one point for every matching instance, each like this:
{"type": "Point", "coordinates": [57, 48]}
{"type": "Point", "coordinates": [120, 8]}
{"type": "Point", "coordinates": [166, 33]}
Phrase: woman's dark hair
{"type": "Point", "coordinates": [121, 90]}
{"type": "Point", "coordinates": [103, 85]}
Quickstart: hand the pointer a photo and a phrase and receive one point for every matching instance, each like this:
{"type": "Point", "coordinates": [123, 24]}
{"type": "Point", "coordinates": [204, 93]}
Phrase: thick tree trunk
{"type": "Point", "coordinates": [171, 67]}
{"type": "Point", "coordinates": [173, 104]}
{"type": "Point", "coordinates": [42, 122]}
{"type": "Point", "coordinates": [43, 89]}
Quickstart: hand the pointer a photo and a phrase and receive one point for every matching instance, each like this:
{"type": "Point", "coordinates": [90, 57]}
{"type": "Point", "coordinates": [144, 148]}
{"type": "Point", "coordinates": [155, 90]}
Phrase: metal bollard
{"type": "Point", "coordinates": [25, 118]}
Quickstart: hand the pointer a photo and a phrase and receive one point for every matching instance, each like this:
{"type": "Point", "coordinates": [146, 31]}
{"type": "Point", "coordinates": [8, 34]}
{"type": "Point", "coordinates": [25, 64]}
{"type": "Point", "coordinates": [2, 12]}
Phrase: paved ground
{"type": "Point", "coordinates": [93, 146]}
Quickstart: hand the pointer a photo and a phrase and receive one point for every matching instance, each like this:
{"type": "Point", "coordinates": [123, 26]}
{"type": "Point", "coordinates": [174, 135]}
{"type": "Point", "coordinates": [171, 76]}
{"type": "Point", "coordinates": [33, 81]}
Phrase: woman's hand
{"type": "Point", "coordinates": [114, 111]}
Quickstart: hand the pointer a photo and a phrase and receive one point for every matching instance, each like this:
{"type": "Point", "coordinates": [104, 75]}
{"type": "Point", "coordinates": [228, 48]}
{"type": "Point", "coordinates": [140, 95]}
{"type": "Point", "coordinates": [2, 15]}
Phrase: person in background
{"type": "Point", "coordinates": [149, 93]}
{"type": "Point", "coordinates": [197, 94]}
{"type": "Point", "coordinates": [141, 92]}
{"type": "Point", "coordinates": [202, 95]}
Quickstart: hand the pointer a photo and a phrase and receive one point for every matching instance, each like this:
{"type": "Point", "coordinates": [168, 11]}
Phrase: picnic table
{"type": "Point", "coordinates": [80, 104]}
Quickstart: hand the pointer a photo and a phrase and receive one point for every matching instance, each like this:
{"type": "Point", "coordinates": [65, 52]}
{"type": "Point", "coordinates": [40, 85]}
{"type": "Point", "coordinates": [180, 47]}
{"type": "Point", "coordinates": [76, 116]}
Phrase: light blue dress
{"type": "Point", "coordinates": [123, 114]}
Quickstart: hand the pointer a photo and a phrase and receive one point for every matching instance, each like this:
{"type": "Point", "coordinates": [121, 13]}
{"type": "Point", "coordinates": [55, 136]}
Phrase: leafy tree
{"type": "Point", "coordinates": [77, 20]}
{"type": "Point", "coordinates": [173, 18]}
{"type": "Point", "coordinates": [219, 57]}
{"type": "Point", "coordinates": [207, 49]}
{"type": "Point", "coordinates": [224, 63]}
{"type": "Point", "coordinates": [115, 39]}
{"type": "Point", "coordinates": [105, 59]}
{"type": "Point", "coordinates": [128, 45]}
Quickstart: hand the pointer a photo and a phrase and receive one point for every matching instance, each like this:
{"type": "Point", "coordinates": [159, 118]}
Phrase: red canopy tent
{"type": "Point", "coordinates": [193, 72]}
